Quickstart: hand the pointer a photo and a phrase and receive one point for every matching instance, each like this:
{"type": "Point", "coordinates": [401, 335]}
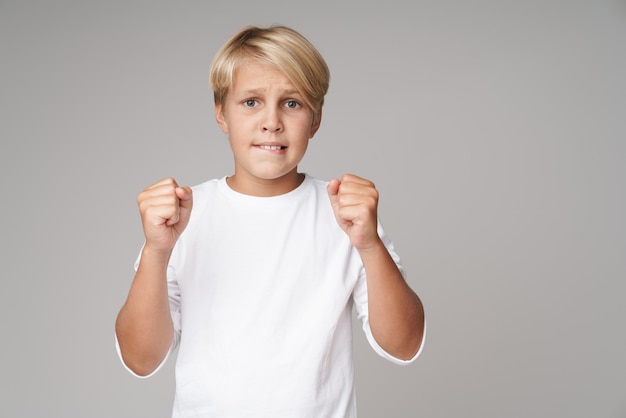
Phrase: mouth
{"type": "Point", "coordinates": [272, 147]}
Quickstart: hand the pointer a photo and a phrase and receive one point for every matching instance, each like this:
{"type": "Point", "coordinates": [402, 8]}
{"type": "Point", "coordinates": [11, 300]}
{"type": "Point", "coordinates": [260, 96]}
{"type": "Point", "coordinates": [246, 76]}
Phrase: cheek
{"type": "Point", "coordinates": [312, 129]}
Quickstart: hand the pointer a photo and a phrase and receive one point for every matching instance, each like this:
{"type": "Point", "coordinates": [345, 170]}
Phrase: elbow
{"type": "Point", "coordinates": [140, 355]}
{"type": "Point", "coordinates": [414, 347]}
{"type": "Point", "coordinates": [141, 369]}
{"type": "Point", "coordinates": [409, 348]}
{"type": "Point", "coordinates": [141, 364]}
{"type": "Point", "coordinates": [403, 344]}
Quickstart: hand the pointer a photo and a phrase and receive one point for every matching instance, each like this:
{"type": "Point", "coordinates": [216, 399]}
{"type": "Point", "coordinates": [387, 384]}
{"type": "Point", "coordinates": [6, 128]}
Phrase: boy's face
{"type": "Point", "coordinates": [269, 126]}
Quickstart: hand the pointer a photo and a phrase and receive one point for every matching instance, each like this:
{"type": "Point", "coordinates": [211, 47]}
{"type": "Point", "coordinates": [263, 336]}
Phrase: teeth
{"type": "Point", "coordinates": [271, 147]}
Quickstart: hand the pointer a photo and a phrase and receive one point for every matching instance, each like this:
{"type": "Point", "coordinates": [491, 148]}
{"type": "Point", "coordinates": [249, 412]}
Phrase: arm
{"type": "Point", "coordinates": [144, 326]}
{"type": "Point", "coordinates": [396, 314]}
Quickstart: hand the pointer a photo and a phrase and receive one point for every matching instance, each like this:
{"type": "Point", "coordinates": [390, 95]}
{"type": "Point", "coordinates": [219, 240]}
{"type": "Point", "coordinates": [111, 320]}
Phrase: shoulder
{"type": "Point", "coordinates": [316, 183]}
{"type": "Point", "coordinates": [205, 193]}
{"type": "Point", "coordinates": [207, 186]}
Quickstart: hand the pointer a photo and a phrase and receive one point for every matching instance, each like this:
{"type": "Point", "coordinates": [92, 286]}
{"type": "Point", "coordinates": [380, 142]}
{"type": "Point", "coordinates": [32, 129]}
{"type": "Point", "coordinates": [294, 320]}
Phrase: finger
{"type": "Point", "coordinates": [157, 192]}
{"type": "Point", "coordinates": [147, 200]}
{"type": "Point", "coordinates": [353, 199]}
{"type": "Point", "coordinates": [356, 189]}
{"type": "Point", "coordinates": [350, 214]}
{"type": "Point", "coordinates": [160, 214]}
{"type": "Point", "coordinates": [159, 205]}
{"type": "Point", "coordinates": [168, 181]}
{"type": "Point", "coordinates": [351, 178]}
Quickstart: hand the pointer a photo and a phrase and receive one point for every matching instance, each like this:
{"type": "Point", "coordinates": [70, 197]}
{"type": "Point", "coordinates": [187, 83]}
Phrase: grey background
{"type": "Point", "coordinates": [494, 130]}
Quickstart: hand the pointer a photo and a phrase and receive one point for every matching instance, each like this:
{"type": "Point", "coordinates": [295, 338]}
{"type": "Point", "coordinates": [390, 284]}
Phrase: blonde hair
{"type": "Point", "coordinates": [276, 45]}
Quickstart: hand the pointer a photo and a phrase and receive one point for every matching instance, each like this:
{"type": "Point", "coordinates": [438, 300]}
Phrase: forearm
{"type": "Point", "coordinates": [396, 315]}
{"type": "Point", "coordinates": [144, 325]}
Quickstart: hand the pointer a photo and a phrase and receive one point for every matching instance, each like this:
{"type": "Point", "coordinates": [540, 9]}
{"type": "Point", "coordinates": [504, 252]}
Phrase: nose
{"type": "Point", "coordinates": [271, 121]}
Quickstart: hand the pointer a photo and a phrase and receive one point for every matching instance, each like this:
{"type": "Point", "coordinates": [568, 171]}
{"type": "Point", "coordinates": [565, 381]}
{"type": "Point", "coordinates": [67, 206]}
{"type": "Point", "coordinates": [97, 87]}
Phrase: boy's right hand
{"type": "Point", "coordinates": [165, 209]}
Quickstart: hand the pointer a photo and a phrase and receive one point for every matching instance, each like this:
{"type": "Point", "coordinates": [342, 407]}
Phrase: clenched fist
{"type": "Point", "coordinates": [165, 208]}
{"type": "Point", "coordinates": [355, 203]}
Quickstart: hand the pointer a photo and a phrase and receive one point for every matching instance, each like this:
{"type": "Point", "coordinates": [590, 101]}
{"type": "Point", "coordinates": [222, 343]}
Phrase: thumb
{"type": "Point", "coordinates": [186, 197]}
{"type": "Point", "coordinates": [185, 201]}
{"type": "Point", "coordinates": [333, 189]}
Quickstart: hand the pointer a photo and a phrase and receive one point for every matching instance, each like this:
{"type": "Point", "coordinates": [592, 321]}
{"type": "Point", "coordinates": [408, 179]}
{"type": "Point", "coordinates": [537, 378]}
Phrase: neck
{"type": "Point", "coordinates": [265, 187]}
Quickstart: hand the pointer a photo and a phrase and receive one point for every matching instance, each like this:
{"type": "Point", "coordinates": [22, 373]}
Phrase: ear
{"type": "Point", "coordinates": [220, 118]}
{"type": "Point", "coordinates": [316, 125]}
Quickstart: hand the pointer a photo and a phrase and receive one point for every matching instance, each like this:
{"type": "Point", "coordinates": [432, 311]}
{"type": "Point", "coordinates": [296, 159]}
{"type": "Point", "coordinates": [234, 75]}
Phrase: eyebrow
{"type": "Point", "coordinates": [262, 90]}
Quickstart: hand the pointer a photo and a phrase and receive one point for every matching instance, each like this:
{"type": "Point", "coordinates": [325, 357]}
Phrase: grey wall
{"type": "Point", "coordinates": [494, 130]}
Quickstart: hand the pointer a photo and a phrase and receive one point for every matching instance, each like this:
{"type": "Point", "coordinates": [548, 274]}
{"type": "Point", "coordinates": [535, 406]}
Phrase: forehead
{"type": "Point", "coordinates": [254, 75]}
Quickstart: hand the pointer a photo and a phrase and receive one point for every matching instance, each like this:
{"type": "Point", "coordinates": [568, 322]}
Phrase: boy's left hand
{"type": "Point", "coordinates": [355, 203]}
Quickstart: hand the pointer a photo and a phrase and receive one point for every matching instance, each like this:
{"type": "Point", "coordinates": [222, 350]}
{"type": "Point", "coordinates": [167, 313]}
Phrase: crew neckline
{"type": "Point", "coordinates": [227, 190]}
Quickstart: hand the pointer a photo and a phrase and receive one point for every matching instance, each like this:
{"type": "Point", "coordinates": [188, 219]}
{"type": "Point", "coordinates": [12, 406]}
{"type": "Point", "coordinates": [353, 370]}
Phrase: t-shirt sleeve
{"type": "Point", "coordinates": [174, 300]}
{"type": "Point", "coordinates": [361, 301]}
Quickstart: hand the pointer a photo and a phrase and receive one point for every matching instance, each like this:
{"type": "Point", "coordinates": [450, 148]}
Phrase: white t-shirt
{"type": "Point", "coordinates": [261, 294]}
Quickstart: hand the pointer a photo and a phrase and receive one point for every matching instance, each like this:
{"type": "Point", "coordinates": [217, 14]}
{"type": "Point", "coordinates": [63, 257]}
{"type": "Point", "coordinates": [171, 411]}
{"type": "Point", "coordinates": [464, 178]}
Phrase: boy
{"type": "Point", "coordinates": [253, 276]}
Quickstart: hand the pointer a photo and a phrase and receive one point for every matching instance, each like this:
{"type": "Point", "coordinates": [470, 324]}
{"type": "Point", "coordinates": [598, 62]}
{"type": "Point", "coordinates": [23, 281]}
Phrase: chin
{"type": "Point", "coordinates": [276, 174]}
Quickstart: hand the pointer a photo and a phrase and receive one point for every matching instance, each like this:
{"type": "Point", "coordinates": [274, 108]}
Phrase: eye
{"type": "Point", "coordinates": [292, 104]}
{"type": "Point", "coordinates": [250, 102]}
